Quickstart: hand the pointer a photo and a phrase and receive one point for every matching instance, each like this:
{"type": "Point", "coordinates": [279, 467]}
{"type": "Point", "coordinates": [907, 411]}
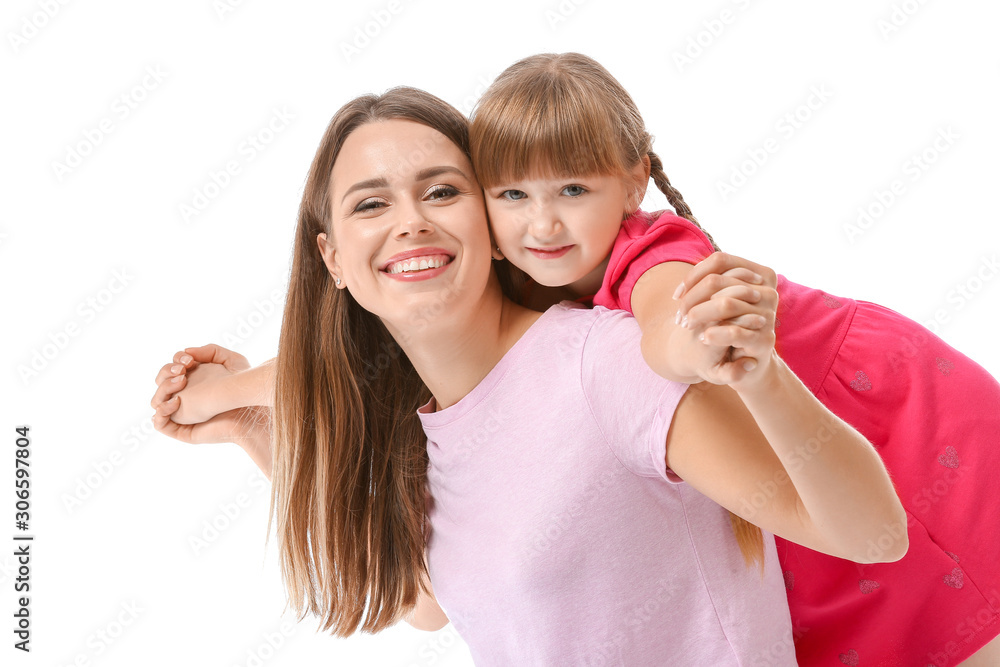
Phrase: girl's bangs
{"type": "Point", "coordinates": [545, 135]}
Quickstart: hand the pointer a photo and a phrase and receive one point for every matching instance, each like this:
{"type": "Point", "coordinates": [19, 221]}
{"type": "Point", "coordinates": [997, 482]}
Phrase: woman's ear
{"type": "Point", "coordinates": [638, 181]}
{"type": "Point", "coordinates": [329, 253]}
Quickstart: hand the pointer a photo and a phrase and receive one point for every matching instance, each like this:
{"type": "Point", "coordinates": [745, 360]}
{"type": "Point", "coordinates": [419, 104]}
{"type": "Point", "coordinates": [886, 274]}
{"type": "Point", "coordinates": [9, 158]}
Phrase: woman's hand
{"type": "Point", "coordinates": [199, 377]}
{"type": "Point", "coordinates": [248, 427]}
{"type": "Point", "coordinates": [730, 303]}
{"type": "Point", "coordinates": [229, 426]}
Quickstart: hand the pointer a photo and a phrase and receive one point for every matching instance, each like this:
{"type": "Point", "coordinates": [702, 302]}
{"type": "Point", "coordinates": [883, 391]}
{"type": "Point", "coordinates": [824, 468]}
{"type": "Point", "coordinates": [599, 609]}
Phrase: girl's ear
{"type": "Point", "coordinates": [329, 253]}
{"type": "Point", "coordinates": [495, 251]}
{"type": "Point", "coordinates": [638, 181]}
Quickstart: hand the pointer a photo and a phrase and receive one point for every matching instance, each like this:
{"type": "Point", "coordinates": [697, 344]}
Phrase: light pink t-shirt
{"type": "Point", "coordinates": [558, 537]}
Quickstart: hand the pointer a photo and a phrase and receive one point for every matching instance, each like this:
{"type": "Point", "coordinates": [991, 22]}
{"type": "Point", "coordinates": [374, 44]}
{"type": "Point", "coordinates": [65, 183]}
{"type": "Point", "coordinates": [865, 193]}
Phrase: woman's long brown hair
{"type": "Point", "coordinates": [565, 114]}
{"type": "Point", "coordinates": [350, 457]}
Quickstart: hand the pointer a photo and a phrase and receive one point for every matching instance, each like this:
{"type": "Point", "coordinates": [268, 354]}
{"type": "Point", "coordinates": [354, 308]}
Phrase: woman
{"type": "Point", "coordinates": [553, 458]}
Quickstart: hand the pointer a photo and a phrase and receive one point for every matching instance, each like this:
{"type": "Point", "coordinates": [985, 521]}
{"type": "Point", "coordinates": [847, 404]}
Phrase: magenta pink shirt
{"type": "Point", "coordinates": [819, 321]}
{"type": "Point", "coordinates": [557, 534]}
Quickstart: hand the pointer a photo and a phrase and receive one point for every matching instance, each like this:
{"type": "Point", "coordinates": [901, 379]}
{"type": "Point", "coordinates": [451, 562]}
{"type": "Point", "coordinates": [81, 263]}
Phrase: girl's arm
{"type": "Point", "coordinates": [673, 350]}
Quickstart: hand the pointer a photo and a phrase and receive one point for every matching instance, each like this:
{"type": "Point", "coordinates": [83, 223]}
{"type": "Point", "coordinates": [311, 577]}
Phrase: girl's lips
{"type": "Point", "coordinates": [550, 253]}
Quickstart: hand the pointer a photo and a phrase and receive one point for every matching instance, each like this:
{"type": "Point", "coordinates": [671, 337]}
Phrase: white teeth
{"type": "Point", "coordinates": [421, 264]}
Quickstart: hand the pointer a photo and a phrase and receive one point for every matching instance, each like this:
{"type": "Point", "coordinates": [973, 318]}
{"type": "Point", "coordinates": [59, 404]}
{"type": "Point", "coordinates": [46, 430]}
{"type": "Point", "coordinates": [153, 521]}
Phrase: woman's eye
{"type": "Point", "coordinates": [574, 190]}
{"type": "Point", "coordinates": [442, 192]}
{"type": "Point", "coordinates": [368, 205]}
{"type": "Point", "coordinates": [513, 195]}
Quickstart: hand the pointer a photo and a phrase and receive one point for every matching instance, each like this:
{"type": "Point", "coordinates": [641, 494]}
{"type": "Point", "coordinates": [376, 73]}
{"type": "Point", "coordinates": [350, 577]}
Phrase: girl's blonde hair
{"type": "Point", "coordinates": [564, 114]}
{"type": "Point", "coordinates": [350, 455]}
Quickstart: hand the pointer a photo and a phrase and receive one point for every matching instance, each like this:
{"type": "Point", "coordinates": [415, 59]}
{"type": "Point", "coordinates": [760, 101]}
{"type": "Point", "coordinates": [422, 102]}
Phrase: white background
{"type": "Point", "coordinates": [115, 505]}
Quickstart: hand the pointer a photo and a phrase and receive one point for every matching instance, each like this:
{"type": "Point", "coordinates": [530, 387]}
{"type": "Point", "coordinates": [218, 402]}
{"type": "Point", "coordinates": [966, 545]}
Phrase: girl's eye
{"type": "Point", "coordinates": [369, 204]}
{"type": "Point", "coordinates": [513, 195]}
{"type": "Point", "coordinates": [573, 190]}
{"type": "Point", "coordinates": [442, 192]}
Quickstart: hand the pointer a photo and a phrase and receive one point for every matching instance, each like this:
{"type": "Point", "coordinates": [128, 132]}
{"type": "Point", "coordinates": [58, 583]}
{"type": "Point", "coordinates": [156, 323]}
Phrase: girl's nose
{"type": "Point", "coordinates": [543, 226]}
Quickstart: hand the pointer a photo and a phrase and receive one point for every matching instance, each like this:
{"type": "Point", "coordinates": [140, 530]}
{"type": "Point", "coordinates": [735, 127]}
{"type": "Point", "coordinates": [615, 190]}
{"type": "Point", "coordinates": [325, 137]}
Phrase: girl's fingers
{"type": "Point", "coordinates": [177, 367]}
{"type": "Point", "coordinates": [165, 390]}
{"type": "Point", "coordinates": [744, 274]}
{"type": "Point", "coordinates": [708, 287]}
{"type": "Point", "coordinates": [216, 354]}
{"type": "Point", "coordinates": [751, 342]}
{"type": "Point", "coordinates": [164, 373]}
{"type": "Point", "coordinates": [183, 358]}
{"type": "Point", "coordinates": [751, 321]}
{"type": "Point", "coordinates": [729, 304]}
{"type": "Point", "coordinates": [721, 262]}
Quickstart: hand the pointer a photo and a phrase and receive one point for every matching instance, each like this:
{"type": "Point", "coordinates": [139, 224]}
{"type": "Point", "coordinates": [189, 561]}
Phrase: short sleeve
{"type": "Point", "coordinates": [644, 241]}
{"type": "Point", "coordinates": [632, 406]}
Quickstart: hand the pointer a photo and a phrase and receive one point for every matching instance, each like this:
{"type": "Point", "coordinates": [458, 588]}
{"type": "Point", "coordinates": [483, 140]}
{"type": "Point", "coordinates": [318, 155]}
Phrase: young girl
{"type": "Point", "coordinates": [564, 159]}
{"type": "Point", "coordinates": [556, 527]}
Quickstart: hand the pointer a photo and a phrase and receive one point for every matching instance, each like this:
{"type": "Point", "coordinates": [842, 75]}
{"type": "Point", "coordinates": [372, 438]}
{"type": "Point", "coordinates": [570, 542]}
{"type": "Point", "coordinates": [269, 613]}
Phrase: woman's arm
{"type": "Point", "coordinates": [248, 427]}
{"type": "Point", "coordinates": [780, 460]}
{"type": "Point", "coordinates": [217, 380]}
{"type": "Point", "coordinates": [427, 614]}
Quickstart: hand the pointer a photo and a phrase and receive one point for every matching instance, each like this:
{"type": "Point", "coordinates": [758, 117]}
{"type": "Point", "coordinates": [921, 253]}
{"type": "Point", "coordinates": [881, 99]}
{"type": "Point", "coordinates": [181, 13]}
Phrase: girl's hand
{"type": "Point", "coordinates": [244, 426]}
{"type": "Point", "coordinates": [198, 376]}
{"type": "Point", "coordinates": [730, 303]}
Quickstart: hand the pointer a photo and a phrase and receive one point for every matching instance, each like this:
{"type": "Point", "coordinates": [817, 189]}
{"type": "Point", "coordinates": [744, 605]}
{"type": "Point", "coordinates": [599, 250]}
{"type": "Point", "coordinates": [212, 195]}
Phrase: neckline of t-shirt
{"type": "Point", "coordinates": [431, 418]}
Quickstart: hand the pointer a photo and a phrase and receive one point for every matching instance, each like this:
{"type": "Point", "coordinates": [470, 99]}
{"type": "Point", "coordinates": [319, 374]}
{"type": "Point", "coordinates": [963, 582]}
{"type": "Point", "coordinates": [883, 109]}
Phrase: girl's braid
{"type": "Point", "coordinates": [673, 195]}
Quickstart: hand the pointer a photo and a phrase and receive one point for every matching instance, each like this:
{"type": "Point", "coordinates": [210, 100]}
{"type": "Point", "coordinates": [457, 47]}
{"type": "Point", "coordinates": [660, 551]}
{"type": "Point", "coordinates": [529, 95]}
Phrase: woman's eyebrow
{"type": "Point", "coordinates": [431, 172]}
{"type": "Point", "coordinates": [362, 185]}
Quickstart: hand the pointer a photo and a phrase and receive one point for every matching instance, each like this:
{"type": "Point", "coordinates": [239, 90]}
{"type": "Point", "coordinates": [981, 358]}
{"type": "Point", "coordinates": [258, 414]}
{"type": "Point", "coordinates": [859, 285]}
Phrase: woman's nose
{"type": "Point", "coordinates": [412, 222]}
